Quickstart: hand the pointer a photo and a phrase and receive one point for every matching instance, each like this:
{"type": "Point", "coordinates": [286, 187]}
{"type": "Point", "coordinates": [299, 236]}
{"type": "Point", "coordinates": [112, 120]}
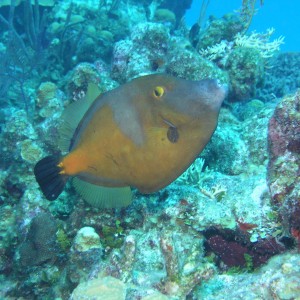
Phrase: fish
{"type": "Point", "coordinates": [143, 135]}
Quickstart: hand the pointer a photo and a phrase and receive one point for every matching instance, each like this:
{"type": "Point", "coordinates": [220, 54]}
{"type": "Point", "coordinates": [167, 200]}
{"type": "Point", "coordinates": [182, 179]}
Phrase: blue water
{"type": "Point", "coordinates": [282, 15]}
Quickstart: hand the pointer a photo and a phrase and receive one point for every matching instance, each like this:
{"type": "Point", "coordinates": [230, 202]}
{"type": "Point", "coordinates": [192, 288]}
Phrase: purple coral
{"type": "Point", "coordinates": [231, 253]}
{"type": "Point", "coordinates": [236, 250]}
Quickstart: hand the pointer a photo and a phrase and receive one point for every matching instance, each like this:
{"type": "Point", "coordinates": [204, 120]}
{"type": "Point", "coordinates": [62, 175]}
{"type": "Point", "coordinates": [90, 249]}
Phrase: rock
{"type": "Point", "coordinates": [108, 288]}
{"type": "Point", "coordinates": [244, 80]}
{"type": "Point", "coordinates": [86, 239]}
{"type": "Point", "coordinates": [284, 163]}
{"type": "Point", "coordinates": [40, 245]}
{"type": "Point", "coordinates": [156, 296]}
{"type": "Point", "coordinates": [85, 254]}
{"type": "Point", "coordinates": [273, 281]}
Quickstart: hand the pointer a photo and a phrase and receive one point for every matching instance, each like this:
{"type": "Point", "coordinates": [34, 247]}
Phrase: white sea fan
{"type": "Point", "coordinates": [216, 51]}
{"type": "Point", "coordinates": [260, 41]}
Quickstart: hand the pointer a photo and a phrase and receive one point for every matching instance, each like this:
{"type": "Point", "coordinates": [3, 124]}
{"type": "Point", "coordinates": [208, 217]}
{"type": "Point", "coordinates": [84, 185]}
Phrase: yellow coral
{"type": "Point", "coordinates": [108, 288]}
{"type": "Point", "coordinates": [30, 151]}
{"type": "Point", "coordinates": [46, 91]}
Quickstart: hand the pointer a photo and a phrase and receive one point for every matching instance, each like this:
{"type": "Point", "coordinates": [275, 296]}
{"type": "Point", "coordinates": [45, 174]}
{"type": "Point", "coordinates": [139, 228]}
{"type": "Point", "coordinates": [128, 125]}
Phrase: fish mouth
{"type": "Point", "coordinates": [213, 92]}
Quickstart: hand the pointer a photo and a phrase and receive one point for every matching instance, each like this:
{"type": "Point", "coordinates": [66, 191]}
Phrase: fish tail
{"type": "Point", "coordinates": [50, 176]}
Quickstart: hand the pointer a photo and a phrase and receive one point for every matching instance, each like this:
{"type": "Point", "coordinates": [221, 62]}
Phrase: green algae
{"type": "Point", "coordinates": [63, 240]}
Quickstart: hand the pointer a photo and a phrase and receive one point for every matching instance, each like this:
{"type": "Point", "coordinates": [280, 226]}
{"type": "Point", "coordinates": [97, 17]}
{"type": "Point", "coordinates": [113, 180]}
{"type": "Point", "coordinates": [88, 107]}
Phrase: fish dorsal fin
{"type": "Point", "coordinates": [103, 197]}
{"type": "Point", "coordinates": [93, 92]}
{"type": "Point", "coordinates": [73, 114]}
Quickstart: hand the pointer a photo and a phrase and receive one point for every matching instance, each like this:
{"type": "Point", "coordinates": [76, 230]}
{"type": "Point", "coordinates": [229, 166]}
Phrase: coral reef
{"type": "Point", "coordinates": [228, 214]}
{"type": "Point", "coordinates": [260, 41]}
{"type": "Point", "coordinates": [283, 167]}
{"type": "Point", "coordinates": [243, 56]}
{"type": "Point", "coordinates": [30, 151]}
{"type": "Point", "coordinates": [8, 236]}
{"type": "Point", "coordinates": [164, 15]}
{"type": "Point", "coordinates": [46, 91]}
{"type": "Point", "coordinates": [86, 249]}
{"type": "Point", "coordinates": [224, 28]}
{"type": "Point", "coordinates": [141, 245]}
{"type": "Point", "coordinates": [80, 77]}
{"type": "Point", "coordinates": [40, 244]}
{"type": "Point", "coordinates": [103, 288]}
{"type": "Point", "coordinates": [86, 239]}
{"type": "Point", "coordinates": [177, 6]}
{"type": "Point", "coordinates": [246, 68]}
{"type": "Point", "coordinates": [227, 150]}
{"type": "Point", "coordinates": [278, 279]}
{"type": "Point", "coordinates": [282, 78]}
{"type": "Point", "coordinates": [235, 249]}
{"type": "Point", "coordinates": [256, 117]}
{"type": "Point", "coordinates": [150, 41]}
{"type": "Point", "coordinates": [189, 64]}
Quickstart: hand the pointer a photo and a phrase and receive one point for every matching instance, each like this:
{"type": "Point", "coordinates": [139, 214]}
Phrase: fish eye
{"type": "Point", "coordinates": [158, 92]}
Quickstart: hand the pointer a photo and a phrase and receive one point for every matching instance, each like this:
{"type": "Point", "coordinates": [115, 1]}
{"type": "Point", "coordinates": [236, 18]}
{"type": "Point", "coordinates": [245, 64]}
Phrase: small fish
{"type": "Point", "coordinates": [143, 134]}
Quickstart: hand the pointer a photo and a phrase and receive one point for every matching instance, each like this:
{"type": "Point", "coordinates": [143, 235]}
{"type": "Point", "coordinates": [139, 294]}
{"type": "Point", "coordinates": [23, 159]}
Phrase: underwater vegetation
{"type": "Point", "coordinates": [228, 225]}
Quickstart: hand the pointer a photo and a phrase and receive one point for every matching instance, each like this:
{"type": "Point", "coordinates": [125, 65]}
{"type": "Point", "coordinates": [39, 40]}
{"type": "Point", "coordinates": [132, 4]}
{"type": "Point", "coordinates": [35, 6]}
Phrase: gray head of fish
{"type": "Point", "coordinates": [196, 97]}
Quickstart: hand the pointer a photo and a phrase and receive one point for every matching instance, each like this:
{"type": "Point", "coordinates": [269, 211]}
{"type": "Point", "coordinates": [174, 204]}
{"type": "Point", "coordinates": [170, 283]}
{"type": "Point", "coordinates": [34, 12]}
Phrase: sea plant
{"type": "Point", "coordinates": [23, 52]}
{"type": "Point", "coordinates": [247, 12]}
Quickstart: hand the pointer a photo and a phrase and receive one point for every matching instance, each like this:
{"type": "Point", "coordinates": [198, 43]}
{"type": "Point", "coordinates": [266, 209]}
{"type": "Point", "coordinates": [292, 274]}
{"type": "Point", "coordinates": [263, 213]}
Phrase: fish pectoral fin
{"type": "Point", "coordinates": [171, 132]}
{"type": "Point", "coordinates": [103, 197]}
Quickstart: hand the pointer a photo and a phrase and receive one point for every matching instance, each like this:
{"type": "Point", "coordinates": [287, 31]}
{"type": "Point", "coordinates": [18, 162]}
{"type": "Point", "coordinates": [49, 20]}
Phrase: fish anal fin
{"type": "Point", "coordinates": [103, 197]}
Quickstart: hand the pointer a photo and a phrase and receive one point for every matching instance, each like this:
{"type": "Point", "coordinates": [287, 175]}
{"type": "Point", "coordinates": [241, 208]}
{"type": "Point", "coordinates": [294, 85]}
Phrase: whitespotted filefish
{"type": "Point", "coordinates": [143, 134]}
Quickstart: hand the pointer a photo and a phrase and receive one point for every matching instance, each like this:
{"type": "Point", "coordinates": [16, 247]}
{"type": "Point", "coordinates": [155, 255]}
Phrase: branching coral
{"type": "Point", "coordinates": [260, 41]}
{"type": "Point", "coordinates": [194, 175]}
{"type": "Point", "coordinates": [217, 51]}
